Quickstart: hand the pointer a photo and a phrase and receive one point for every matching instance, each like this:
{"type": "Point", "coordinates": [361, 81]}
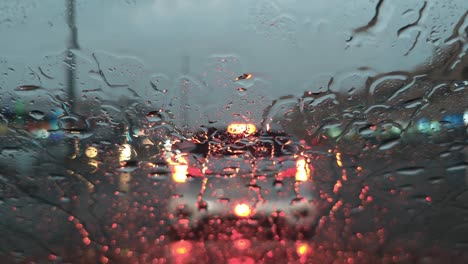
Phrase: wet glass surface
{"type": "Point", "coordinates": [233, 131]}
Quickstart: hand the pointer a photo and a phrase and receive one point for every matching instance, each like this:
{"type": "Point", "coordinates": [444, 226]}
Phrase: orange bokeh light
{"type": "Point", "coordinates": [180, 171]}
{"type": "Point", "coordinates": [242, 210]}
{"type": "Point", "coordinates": [181, 248]}
{"type": "Point", "coordinates": [242, 244]}
{"type": "Point", "coordinates": [302, 249]}
{"type": "Point", "coordinates": [241, 260]}
{"type": "Point", "coordinates": [238, 129]}
{"type": "Point", "coordinates": [302, 171]}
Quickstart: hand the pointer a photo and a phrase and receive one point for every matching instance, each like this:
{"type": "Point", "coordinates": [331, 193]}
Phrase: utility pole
{"type": "Point", "coordinates": [72, 44]}
{"type": "Point", "coordinates": [70, 82]}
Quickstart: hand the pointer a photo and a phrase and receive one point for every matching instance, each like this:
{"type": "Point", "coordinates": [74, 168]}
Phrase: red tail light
{"type": "Point", "coordinates": [242, 244]}
{"type": "Point", "coordinates": [181, 248]}
{"type": "Point", "coordinates": [302, 249]}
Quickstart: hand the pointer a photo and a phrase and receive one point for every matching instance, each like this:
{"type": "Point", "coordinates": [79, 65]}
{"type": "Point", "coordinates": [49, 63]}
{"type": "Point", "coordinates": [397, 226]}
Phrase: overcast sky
{"type": "Point", "coordinates": [288, 45]}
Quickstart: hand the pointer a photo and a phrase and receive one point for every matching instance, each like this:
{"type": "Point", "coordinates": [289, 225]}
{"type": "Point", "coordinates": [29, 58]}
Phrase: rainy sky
{"type": "Point", "coordinates": [289, 46]}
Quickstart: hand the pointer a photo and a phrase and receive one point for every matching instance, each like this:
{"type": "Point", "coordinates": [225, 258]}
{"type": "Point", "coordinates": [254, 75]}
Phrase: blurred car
{"type": "Point", "coordinates": [238, 181]}
{"type": "Point", "coordinates": [239, 251]}
{"type": "Point", "coordinates": [436, 129]}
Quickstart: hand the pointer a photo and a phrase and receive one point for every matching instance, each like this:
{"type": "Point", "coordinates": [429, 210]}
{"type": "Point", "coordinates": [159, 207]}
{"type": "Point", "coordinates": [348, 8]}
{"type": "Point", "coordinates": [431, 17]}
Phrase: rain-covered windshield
{"type": "Point", "coordinates": [269, 131]}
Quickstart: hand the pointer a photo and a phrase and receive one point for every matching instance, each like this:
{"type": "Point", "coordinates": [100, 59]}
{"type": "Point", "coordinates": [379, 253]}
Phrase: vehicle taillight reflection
{"type": "Point", "coordinates": [302, 171]}
{"type": "Point", "coordinates": [242, 210]}
{"type": "Point", "coordinates": [302, 249]}
{"type": "Point", "coordinates": [241, 260]}
{"type": "Point", "coordinates": [242, 244]}
{"type": "Point", "coordinates": [180, 171]}
{"type": "Point", "coordinates": [238, 129]}
{"type": "Point", "coordinates": [181, 248]}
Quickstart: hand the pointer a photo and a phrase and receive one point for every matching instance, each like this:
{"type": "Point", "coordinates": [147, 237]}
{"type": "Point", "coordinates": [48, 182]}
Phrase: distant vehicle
{"type": "Point", "coordinates": [444, 128]}
{"type": "Point", "coordinates": [239, 180]}
{"type": "Point", "coordinates": [62, 134]}
{"type": "Point", "coordinates": [246, 251]}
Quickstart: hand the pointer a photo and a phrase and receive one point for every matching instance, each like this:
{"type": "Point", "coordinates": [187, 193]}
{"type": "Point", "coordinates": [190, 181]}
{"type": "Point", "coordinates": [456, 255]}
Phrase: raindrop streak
{"type": "Point", "coordinates": [38, 115]}
{"type": "Point", "coordinates": [244, 76]}
{"type": "Point", "coordinates": [390, 144]}
{"type": "Point", "coordinates": [374, 19]}
{"type": "Point", "coordinates": [158, 176]}
{"type": "Point", "coordinates": [415, 23]}
{"type": "Point", "coordinates": [27, 88]}
{"type": "Point", "coordinates": [129, 166]}
{"type": "Point", "coordinates": [410, 171]}
{"type": "Point", "coordinates": [455, 34]}
{"type": "Point", "coordinates": [457, 167]}
{"type": "Point", "coordinates": [154, 116]}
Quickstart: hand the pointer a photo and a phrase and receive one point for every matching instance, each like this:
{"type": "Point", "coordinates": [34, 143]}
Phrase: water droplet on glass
{"type": "Point", "coordinates": [27, 88]}
{"type": "Point", "coordinates": [154, 116]}
{"type": "Point", "coordinates": [457, 167]}
{"type": "Point", "coordinates": [244, 76]}
{"type": "Point", "coordinates": [389, 144]}
{"type": "Point", "coordinates": [411, 171]}
{"type": "Point", "coordinates": [38, 115]}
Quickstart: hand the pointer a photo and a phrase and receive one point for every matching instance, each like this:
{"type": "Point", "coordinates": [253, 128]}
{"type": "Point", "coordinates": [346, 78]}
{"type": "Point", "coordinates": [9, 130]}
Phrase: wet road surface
{"type": "Point", "coordinates": [406, 204]}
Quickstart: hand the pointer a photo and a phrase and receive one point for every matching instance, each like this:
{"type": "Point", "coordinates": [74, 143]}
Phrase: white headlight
{"type": "Point", "coordinates": [125, 152]}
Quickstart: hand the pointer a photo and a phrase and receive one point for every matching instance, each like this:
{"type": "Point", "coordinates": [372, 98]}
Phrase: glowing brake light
{"type": "Point", "coordinates": [181, 248]}
{"type": "Point", "coordinates": [302, 249]}
{"type": "Point", "coordinates": [302, 171]}
{"type": "Point", "coordinates": [238, 129]}
{"type": "Point", "coordinates": [241, 260]}
{"type": "Point", "coordinates": [242, 244]}
{"type": "Point", "coordinates": [242, 210]}
{"type": "Point", "coordinates": [180, 171]}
